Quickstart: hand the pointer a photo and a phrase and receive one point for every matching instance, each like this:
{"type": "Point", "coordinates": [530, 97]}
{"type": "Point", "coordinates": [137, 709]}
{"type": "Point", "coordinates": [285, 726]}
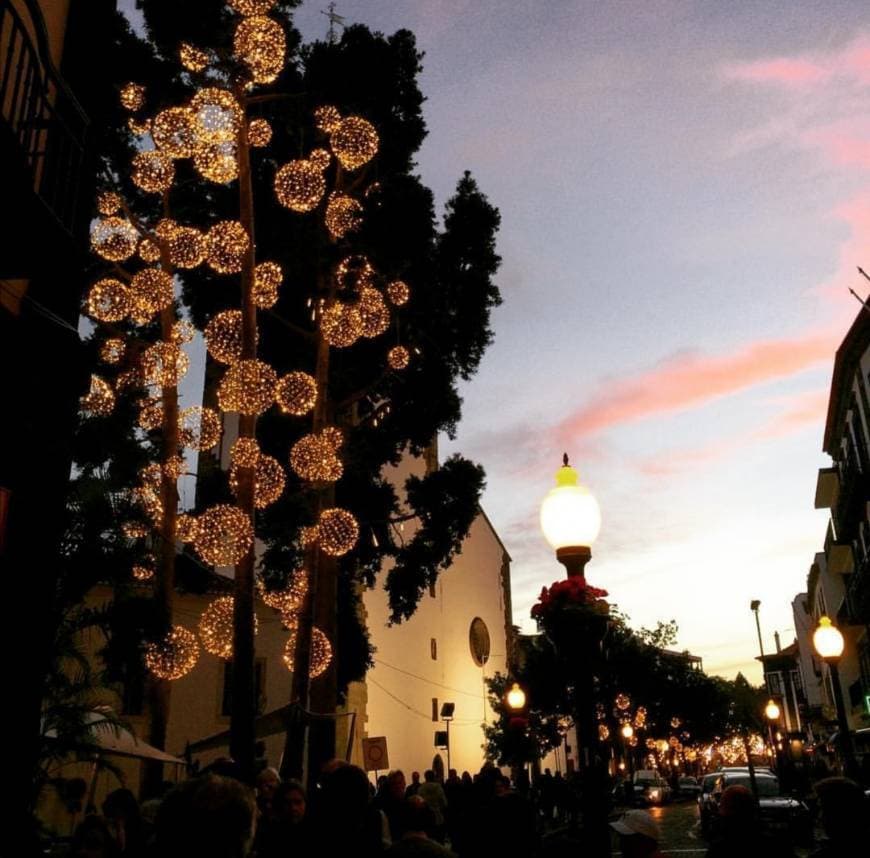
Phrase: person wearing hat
{"type": "Point", "coordinates": [639, 835]}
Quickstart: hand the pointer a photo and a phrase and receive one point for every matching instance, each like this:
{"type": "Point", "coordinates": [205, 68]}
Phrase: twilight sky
{"type": "Point", "coordinates": [685, 194]}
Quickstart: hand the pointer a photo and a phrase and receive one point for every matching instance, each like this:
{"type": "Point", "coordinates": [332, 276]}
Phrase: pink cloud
{"type": "Point", "coordinates": [689, 381]}
{"type": "Point", "coordinates": [782, 71]}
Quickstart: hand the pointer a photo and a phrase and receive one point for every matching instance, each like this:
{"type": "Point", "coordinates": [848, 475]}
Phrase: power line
{"type": "Point", "coordinates": [430, 681]}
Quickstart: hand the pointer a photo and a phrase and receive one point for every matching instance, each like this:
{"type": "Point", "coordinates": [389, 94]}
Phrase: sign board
{"type": "Point", "coordinates": [375, 753]}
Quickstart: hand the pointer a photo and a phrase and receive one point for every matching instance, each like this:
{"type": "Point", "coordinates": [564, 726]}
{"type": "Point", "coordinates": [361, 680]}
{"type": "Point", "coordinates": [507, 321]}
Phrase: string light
{"type": "Point", "coordinates": [217, 162]}
{"type": "Point", "coordinates": [343, 214]}
{"type": "Point", "coordinates": [149, 251]}
{"type": "Point", "coordinates": [142, 574]}
{"type": "Point", "coordinates": [623, 701]}
{"type": "Point", "coordinates": [296, 393]}
{"type": "Point", "coordinates": [337, 531]}
{"type": "Point", "coordinates": [164, 364]}
{"type": "Point", "coordinates": [260, 43]}
{"type": "Point", "coordinates": [354, 272]}
{"type": "Point", "coordinates": [187, 246]}
{"type": "Point", "coordinates": [112, 350]}
{"type": "Point", "coordinates": [327, 118]}
{"type": "Point", "coordinates": [228, 242]}
{"type": "Point", "coordinates": [224, 536]}
{"type": "Point", "coordinates": [398, 358]}
{"type": "Point", "coordinates": [186, 528]}
{"type": "Point", "coordinates": [192, 58]}
{"type": "Point", "coordinates": [374, 313]}
{"type": "Point", "coordinates": [149, 499]}
{"type": "Point", "coordinates": [603, 732]}
{"type": "Point", "coordinates": [114, 238]}
{"type": "Point", "coordinates": [173, 467]}
{"type": "Point", "coordinates": [640, 717]}
{"type": "Point", "coordinates": [321, 158]}
{"type": "Point", "coordinates": [165, 227]}
{"type": "Point", "coordinates": [675, 722]}
{"type": "Point", "coordinates": [134, 530]}
{"type": "Point", "coordinates": [182, 332]}
{"type": "Point", "coordinates": [308, 535]}
{"type": "Point", "coordinates": [132, 96]}
{"type": "Point", "coordinates": [248, 387]}
{"type": "Point", "coordinates": [314, 457]}
{"type": "Point", "coordinates": [223, 336]}
{"type": "Point", "coordinates": [251, 7]}
{"type": "Point", "coordinates": [354, 141]}
{"type": "Point", "coordinates": [300, 185]}
{"type": "Point", "coordinates": [152, 171]}
{"type": "Point", "coordinates": [109, 300]}
{"type": "Point", "coordinates": [216, 627]}
{"type": "Point", "coordinates": [174, 132]}
{"type": "Point", "coordinates": [217, 115]}
{"type": "Point", "coordinates": [174, 656]}
{"type": "Point", "coordinates": [290, 597]}
{"type": "Point", "coordinates": [320, 655]}
{"type": "Point", "coordinates": [259, 133]}
{"type": "Point", "coordinates": [341, 325]}
{"type": "Point", "coordinates": [100, 399]}
{"type": "Point", "coordinates": [398, 292]}
{"type": "Point", "coordinates": [199, 428]}
{"type": "Point", "coordinates": [139, 127]}
{"type": "Point", "coordinates": [269, 481]}
{"type": "Point", "coordinates": [245, 452]}
{"type": "Point", "coordinates": [109, 203]}
{"type": "Point", "coordinates": [151, 291]}
{"type": "Point", "coordinates": [267, 279]}
{"type": "Point", "coordinates": [151, 414]}
{"type": "Point", "coordinates": [151, 476]}
{"type": "Point", "coordinates": [334, 435]}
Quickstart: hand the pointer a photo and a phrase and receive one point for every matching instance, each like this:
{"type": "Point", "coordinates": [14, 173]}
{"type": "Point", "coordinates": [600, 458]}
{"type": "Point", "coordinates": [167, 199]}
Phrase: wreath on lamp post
{"type": "Point", "coordinates": [572, 614]}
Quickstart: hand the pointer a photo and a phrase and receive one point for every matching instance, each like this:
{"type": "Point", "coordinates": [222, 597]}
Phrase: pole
{"type": "Point", "coordinates": [847, 750]}
{"type": "Point", "coordinates": [448, 744]}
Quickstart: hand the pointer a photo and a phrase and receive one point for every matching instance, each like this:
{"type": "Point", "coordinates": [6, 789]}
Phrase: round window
{"type": "Point", "coordinates": [478, 641]}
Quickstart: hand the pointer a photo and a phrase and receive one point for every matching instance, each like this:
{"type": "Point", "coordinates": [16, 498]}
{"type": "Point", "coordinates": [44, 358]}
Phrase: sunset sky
{"type": "Point", "coordinates": [685, 196]}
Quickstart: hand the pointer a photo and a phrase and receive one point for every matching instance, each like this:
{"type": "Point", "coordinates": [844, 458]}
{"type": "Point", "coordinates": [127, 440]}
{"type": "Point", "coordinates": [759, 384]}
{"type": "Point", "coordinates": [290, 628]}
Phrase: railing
{"type": "Point", "coordinates": [38, 109]}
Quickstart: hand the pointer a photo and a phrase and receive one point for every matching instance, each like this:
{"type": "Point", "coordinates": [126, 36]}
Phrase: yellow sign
{"type": "Point", "coordinates": [375, 753]}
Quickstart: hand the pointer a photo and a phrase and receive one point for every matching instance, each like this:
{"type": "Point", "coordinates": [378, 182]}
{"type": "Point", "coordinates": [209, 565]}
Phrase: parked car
{"type": "Point", "coordinates": [688, 787]}
{"type": "Point", "coordinates": [650, 787]}
{"type": "Point", "coordinates": [780, 814]}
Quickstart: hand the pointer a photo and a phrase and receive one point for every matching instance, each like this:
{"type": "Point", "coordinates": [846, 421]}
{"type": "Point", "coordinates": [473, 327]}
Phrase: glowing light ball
{"type": "Point", "coordinates": [224, 536]}
{"type": "Point", "coordinates": [570, 516]}
{"type": "Point", "coordinates": [173, 657]}
{"type": "Point", "coordinates": [354, 141]}
{"type": "Point", "coordinates": [132, 96]}
{"type": "Point", "coordinates": [186, 528]}
{"type": "Point", "coordinates": [296, 393]}
{"type": "Point", "coordinates": [109, 300]}
{"type": "Point", "coordinates": [516, 697]}
{"type": "Point", "coordinates": [112, 350]}
{"type": "Point", "coordinates": [827, 640]}
{"type": "Point", "coordinates": [217, 162]}
{"type": "Point", "coordinates": [398, 357]}
{"type": "Point", "coordinates": [199, 428]}
{"type": "Point", "coordinates": [223, 336]}
{"type": "Point", "coordinates": [269, 481]}
{"type": "Point", "coordinates": [341, 325]}
{"type": "Point", "coordinates": [327, 118]}
{"type": "Point", "coordinates": [216, 627]}
{"type": "Point", "coordinates": [152, 171]}
{"type": "Point", "coordinates": [245, 452]}
{"type": "Point", "coordinates": [374, 313]}
{"type": "Point", "coordinates": [164, 364]}
{"type": "Point", "coordinates": [151, 291]}
{"type": "Point", "coordinates": [260, 43]}
{"type": "Point", "coordinates": [192, 58]}
{"type": "Point", "coordinates": [320, 655]}
{"type": "Point", "coordinates": [187, 246]}
{"type": "Point", "coordinates": [300, 185]}
{"type": "Point", "coordinates": [313, 457]}
{"type": "Point", "coordinates": [174, 132]}
{"type": "Point", "coordinates": [109, 203]}
{"type": "Point", "coordinates": [100, 398]}
{"type": "Point", "coordinates": [251, 7]}
{"type": "Point", "coordinates": [217, 115]}
{"type": "Point", "coordinates": [259, 133]}
{"type": "Point", "coordinates": [149, 251]}
{"type": "Point", "coordinates": [248, 387]}
{"type": "Point", "coordinates": [337, 531]}
{"type": "Point", "coordinates": [228, 242]}
{"type": "Point", "coordinates": [114, 238]}
{"type": "Point", "coordinates": [267, 278]}
{"type": "Point", "coordinates": [398, 292]}
{"type": "Point", "coordinates": [343, 215]}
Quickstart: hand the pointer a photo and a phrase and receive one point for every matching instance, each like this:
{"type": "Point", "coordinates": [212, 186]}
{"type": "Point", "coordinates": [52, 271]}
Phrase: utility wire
{"type": "Point", "coordinates": [430, 681]}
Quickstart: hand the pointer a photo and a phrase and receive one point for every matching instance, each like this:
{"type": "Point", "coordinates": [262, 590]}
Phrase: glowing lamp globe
{"type": "Point", "coordinates": [516, 697]}
{"type": "Point", "coordinates": [570, 517]}
{"type": "Point", "coordinates": [627, 731]}
{"type": "Point", "coordinates": [771, 710]}
{"type": "Point", "coordinates": [827, 639]}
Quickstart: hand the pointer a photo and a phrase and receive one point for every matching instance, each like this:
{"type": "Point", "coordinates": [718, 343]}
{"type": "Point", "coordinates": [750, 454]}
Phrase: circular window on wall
{"type": "Point", "coordinates": [478, 641]}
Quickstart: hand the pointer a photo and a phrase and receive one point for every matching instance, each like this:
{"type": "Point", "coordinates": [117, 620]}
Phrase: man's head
{"type": "Point", "coordinates": [267, 783]}
{"type": "Point", "coordinates": [638, 832]}
{"type": "Point", "coordinates": [737, 805]}
{"type": "Point", "coordinates": [430, 776]}
{"type": "Point", "coordinates": [418, 817]}
{"type": "Point", "coordinates": [289, 802]}
{"type": "Point", "coordinates": [843, 807]}
{"type": "Point", "coordinates": [415, 777]}
{"type": "Point", "coordinates": [396, 783]}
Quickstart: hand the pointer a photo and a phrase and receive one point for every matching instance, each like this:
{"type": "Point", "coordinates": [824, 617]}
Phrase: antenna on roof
{"type": "Point", "coordinates": [864, 304]}
{"type": "Point", "coordinates": [333, 20]}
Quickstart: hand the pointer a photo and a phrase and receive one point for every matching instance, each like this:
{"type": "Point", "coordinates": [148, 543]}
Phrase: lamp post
{"type": "Point", "coordinates": [515, 699]}
{"type": "Point", "coordinates": [772, 713]}
{"type": "Point", "coordinates": [828, 643]}
{"type": "Point", "coordinates": [627, 732]}
{"type": "Point", "coordinates": [570, 521]}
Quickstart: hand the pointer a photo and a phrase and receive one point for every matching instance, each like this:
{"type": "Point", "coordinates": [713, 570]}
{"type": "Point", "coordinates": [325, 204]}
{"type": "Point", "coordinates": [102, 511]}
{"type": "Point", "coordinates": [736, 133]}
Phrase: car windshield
{"type": "Point", "coordinates": [767, 787]}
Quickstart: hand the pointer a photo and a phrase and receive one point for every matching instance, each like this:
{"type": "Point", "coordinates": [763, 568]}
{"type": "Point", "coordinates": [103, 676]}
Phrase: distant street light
{"type": "Point", "coordinates": [772, 711]}
{"type": "Point", "coordinates": [516, 698]}
{"type": "Point", "coordinates": [627, 731]}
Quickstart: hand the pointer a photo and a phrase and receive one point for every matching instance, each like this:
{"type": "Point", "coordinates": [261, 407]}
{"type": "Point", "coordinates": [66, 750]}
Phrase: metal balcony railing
{"type": "Point", "coordinates": [39, 116]}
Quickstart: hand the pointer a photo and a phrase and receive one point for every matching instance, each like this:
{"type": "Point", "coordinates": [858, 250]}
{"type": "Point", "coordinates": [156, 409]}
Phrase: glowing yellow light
{"type": "Point", "coordinates": [640, 717]}
{"type": "Point", "coordinates": [261, 44]}
{"type": "Point", "coordinates": [267, 279]}
{"type": "Point", "coordinates": [174, 132]}
{"type": "Point", "coordinates": [269, 480]}
{"type": "Point", "coordinates": [398, 357]}
{"type": "Point", "coordinates": [398, 292]}
{"type": "Point", "coordinates": [109, 203]}
{"type": "Point", "coordinates": [320, 655]}
{"type": "Point", "coordinates": [109, 300]}
{"type": "Point", "coordinates": [296, 393]}
{"type": "Point", "coordinates": [308, 535]}
{"type": "Point", "coordinates": [337, 531]}
{"type": "Point", "coordinates": [223, 336]}
{"type": "Point", "coordinates": [217, 162]}
{"type": "Point", "coordinates": [327, 118]}
{"type": "Point", "coordinates": [173, 467]}
{"type": "Point", "coordinates": [111, 351]}
{"type": "Point", "coordinates": [603, 732]}
{"type": "Point", "coordinates": [142, 574]}
{"type": "Point", "coordinates": [228, 242]}
{"type": "Point", "coordinates": [373, 312]}
{"type": "Point", "coordinates": [354, 141]}
{"type": "Point", "coordinates": [245, 452]}
{"type": "Point", "coordinates": [289, 598]}
{"type": "Point", "coordinates": [132, 96]}
{"type": "Point", "coordinates": [259, 132]}
{"type": "Point", "coordinates": [217, 115]}
{"type": "Point", "coordinates": [354, 273]}
{"type": "Point", "coordinates": [313, 457]}
{"type": "Point", "coordinates": [224, 536]}
{"type": "Point", "coordinates": [216, 627]}
{"type": "Point", "coordinates": [251, 7]}
{"type": "Point", "coordinates": [186, 528]}
{"type": "Point", "coordinates": [199, 428]}
{"type": "Point", "coordinates": [139, 127]}
{"type": "Point", "coordinates": [151, 414]}
{"type": "Point", "coordinates": [675, 722]}
{"type": "Point", "coordinates": [114, 238]}
{"type": "Point", "coordinates": [151, 291]}
{"type": "Point", "coordinates": [300, 185]}
{"type": "Point", "coordinates": [173, 657]}
{"type": "Point", "coordinates": [152, 171]}
{"type": "Point", "coordinates": [192, 58]}
{"type": "Point", "coordinates": [149, 251]}
{"type": "Point", "coordinates": [164, 364]}
{"type": "Point", "coordinates": [569, 513]}
{"type": "Point", "coordinates": [187, 246]}
{"type": "Point", "coordinates": [827, 640]}
{"type": "Point", "coordinates": [321, 158]}
{"type": "Point", "coordinates": [100, 399]}
{"type": "Point", "coordinates": [182, 332]}
{"type": "Point", "coordinates": [623, 701]}
{"type": "Point", "coordinates": [627, 731]}
{"type": "Point", "coordinates": [248, 387]}
{"type": "Point", "coordinates": [516, 697]}
{"type": "Point", "coordinates": [771, 711]}
{"type": "Point", "coordinates": [341, 325]}
{"type": "Point", "coordinates": [343, 215]}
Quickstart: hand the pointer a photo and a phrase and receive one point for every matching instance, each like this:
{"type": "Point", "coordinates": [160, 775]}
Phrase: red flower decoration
{"type": "Point", "coordinates": [569, 591]}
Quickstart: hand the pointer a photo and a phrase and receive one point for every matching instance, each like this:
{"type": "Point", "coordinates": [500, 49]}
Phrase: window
{"type": "Point", "coordinates": [433, 649]}
{"type": "Point", "coordinates": [434, 708]}
{"type": "Point", "coordinates": [478, 642]}
{"type": "Point", "coordinates": [259, 686]}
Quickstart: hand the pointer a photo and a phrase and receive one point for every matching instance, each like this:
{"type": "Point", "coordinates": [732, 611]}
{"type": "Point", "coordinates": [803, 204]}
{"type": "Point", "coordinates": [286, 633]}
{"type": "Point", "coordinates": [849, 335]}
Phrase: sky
{"type": "Point", "coordinates": [685, 195]}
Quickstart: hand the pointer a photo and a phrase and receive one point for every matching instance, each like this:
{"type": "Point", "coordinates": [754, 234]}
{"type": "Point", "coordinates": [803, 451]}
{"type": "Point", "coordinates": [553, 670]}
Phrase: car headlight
{"type": "Point", "coordinates": [655, 794]}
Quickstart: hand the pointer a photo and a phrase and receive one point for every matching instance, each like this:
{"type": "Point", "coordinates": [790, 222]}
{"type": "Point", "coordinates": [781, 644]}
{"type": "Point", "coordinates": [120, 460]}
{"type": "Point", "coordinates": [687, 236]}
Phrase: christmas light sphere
{"type": "Point", "coordinates": [109, 203]}
{"type": "Point", "coordinates": [269, 481]}
{"type": "Point", "coordinates": [570, 516]}
{"type": "Point", "coordinates": [327, 118]}
{"type": "Point", "coordinates": [354, 273]}
{"type": "Point", "coordinates": [623, 701]}
{"type": "Point", "coordinates": [114, 238]}
{"type": "Point", "coordinates": [223, 336]}
{"type": "Point", "coordinates": [260, 43]}
{"type": "Point", "coordinates": [398, 358]}
{"type": "Point", "coordinates": [216, 627]}
{"type": "Point", "coordinates": [100, 398]}
{"type": "Point", "coordinates": [164, 364]}
{"type": "Point", "coordinates": [290, 597]}
{"type": "Point", "coordinates": [343, 215]}
{"type": "Point", "coordinates": [187, 246]}
{"type": "Point", "coordinates": [183, 332]}
{"type": "Point", "coordinates": [251, 7]}
{"type": "Point", "coordinates": [827, 639]}
{"type": "Point", "coordinates": [333, 435]}
{"type": "Point", "coordinates": [248, 387]}
{"type": "Point", "coordinates": [321, 158]}
{"type": "Point", "coordinates": [296, 393]}
{"type": "Point", "coordinates": [173, 657]}
{"type": "Point", "coordinates": [132, 96]}
{"type": "Point", "coordinates": [308, 535]}
{"type": "Point", "coordinates": [313, 457]}
{"type": "Point", "coordinates": [398, 292]}
{"type": "Point", "coordinates": [675, 722]}
{"type": "Point", "coordinates": [603, 732]}
{"type": "Point", "coordinates": [186, 528]}
{"type": "Point", "coordinates": [151, 291]}
{"type": "Point", "coordinates": [173, 467]}
{"type": "Point", "coordinates": [259, 132]}
{"type": "Point", "coordinates": [151, 476]}
{"type": "Point", "coordinates": [174, 132]}
{"type": "Point", "coordinates": [337, 531]}
{"type": "Point", "coordinates": [320, 654]}
{"type": "Point", "coordinates": [149, 250]}
{"type": "Point", "coordinates": [151, 414]}
{"type": "Point", "coordinates": [267, 278]}
{"type": "Point", "coordinates": [300, 185]}
{"type": "Point", "coordinates": [228, 242]}
{"type": "Point", "coordinates": [199, 428]}
{"type": "Point", "coordinates": [245, 452]}
{"type": "Point", "coordinates": [354, 141]}
{"type": "Point", "coordinates": [143, 574]}
{"type": "Point", "coordinates": [192, 58]}
{"type": "Point", "coordinates": [217, 162]}
{"type": "Point", "coordinates": [152, 171]}
{"type": "Point", "coordinates": [640, 717]}
{"type": "Point", "coordinates": [217, 115]}
{"type": "Point", "coordinates": [516, 697]}
{"type": "Point", "coordinates": [341, 325]}
{"type": "Point", "coordinates": [148, 498]}
{"type": "Point", "coordinates": [225, 535]}
{"type": "Point", "coordinates": [374, 313]}
{"type": "Point", "coordinates": [112, 350]}
{"type": "Point", "coordinates": [139, 127]}
{"type": "Point", "coordinates": [109, 300]}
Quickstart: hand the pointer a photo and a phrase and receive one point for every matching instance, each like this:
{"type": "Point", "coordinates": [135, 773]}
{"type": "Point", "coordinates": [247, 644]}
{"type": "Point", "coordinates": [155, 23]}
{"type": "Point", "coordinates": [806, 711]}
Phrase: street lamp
{"type": "Point", "coordinates": [828, 643]}
{"type": "Point", "coordinates": [772, 713]}
{"type": "Point", "coordinates": [516, 698]}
